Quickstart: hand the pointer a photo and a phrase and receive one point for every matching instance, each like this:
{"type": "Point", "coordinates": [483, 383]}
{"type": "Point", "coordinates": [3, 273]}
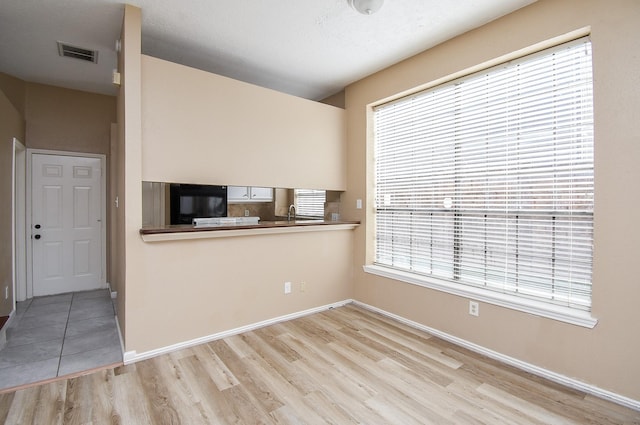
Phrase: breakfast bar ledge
{"type": "Point", "coordinates": [182, 232]}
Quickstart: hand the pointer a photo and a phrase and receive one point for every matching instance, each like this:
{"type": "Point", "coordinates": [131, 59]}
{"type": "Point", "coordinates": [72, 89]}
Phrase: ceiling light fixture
{"type": "Point", "coordinates": [366, 7]}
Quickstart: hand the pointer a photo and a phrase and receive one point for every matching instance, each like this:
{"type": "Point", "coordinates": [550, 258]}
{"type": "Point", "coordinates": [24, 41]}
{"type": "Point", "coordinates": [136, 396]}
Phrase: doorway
{"type": "Point", "coordinates": [75, 330]}
{"type": "Point", "coordinates": [66, 211]}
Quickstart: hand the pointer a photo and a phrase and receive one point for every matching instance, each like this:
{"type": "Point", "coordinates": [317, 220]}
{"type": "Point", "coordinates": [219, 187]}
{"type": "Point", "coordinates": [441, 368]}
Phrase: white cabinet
{"type": "Point", "coordinates": [262, 194]}
{"type": "Point", "coordinates": [237, 193]}
{"type": "Point", "coordinates": [249, 194]}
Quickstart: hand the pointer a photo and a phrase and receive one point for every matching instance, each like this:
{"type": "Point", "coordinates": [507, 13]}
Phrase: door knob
{"type": "Point", "coordinates": [37, 226]}
{"type": "Point", "coordinates": [37, 236]}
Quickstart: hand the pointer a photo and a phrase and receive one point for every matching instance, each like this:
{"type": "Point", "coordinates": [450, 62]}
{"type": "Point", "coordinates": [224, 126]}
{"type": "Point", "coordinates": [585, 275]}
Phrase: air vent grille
{"type": "Point", "coordinates": [71, 51]}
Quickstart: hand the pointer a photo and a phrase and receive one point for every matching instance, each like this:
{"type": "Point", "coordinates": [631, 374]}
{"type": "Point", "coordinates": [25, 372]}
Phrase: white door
{"type": "Point", "coordinates": [66, 224]}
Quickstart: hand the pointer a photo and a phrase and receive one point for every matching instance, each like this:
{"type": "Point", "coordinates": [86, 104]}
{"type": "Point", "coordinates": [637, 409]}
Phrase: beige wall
{"type": "Point", "coordinates": [180, 290]}
{"type": "Point", "coordinates": [606, 356]}
{"type": "Point", "coordinates": [15, 90]}
{"type": "Point", "coordinates": [128, 217]}
{"type": "Point", "coordinates": [200, 127]}
{"type": "Point", "coordinates": [194, 288]}
{"type": "Point", "coordinates": [336, 99]}
{"type": "Point", "coordinates": [68, 120]}
{"type": "Point", "coordinates": [11, 125]}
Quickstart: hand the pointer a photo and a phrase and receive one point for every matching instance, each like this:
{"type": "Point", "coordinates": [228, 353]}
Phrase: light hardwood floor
{"type": "Point", "coordinates": [342, 366]}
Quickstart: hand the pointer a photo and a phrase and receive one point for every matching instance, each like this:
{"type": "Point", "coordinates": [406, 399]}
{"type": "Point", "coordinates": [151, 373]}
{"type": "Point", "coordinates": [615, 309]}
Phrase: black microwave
{"type": "Point", "coordinates": [189, 201]}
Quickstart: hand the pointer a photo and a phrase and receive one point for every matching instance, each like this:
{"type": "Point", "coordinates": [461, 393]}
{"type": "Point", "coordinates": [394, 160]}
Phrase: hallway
{"type": "Point", "coordinates": [59, 335]}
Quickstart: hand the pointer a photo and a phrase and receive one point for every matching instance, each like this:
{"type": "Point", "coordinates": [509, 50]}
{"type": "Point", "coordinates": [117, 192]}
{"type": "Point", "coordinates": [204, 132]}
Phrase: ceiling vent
{"type": "Point", "coordinates": [70, 51]}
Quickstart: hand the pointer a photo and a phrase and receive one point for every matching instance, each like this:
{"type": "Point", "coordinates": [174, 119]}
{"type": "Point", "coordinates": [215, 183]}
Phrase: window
{"type": "Point", "coordinates": [487, 181]}
{"type": "Point", "coordinates": [310, 202]}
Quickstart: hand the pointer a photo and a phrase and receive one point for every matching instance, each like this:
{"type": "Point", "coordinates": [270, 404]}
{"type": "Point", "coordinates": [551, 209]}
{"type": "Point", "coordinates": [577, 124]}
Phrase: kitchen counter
{"type": "Point", "coordinates": [186, 231]}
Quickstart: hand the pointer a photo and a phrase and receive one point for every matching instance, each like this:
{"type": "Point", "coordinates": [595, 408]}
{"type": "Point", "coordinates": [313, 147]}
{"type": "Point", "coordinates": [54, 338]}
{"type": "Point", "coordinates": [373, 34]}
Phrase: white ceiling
{"type": "Point", "coordinates": [308, 48]}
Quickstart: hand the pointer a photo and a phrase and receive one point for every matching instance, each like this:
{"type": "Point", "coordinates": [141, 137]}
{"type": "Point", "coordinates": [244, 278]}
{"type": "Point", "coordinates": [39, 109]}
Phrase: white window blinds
{"type": "Point", "coordinates": [488, 180]}
{"type": "Point", "coordinates": [310, 202]}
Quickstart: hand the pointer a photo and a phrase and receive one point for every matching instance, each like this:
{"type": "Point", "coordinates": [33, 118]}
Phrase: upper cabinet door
{"type": "Point", "coordinates": [237, 194]}
{"type": "Point", "coordinates": [262, 194]}
{"type": "Point", "coordinates": [249, 194]}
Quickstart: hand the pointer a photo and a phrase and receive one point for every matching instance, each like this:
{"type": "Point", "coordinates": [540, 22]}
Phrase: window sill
{"type": "Point", "coordinates": [538, 308]}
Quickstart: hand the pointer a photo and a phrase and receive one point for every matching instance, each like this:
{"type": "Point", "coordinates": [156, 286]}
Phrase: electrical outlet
{"type": "Point", "coordinates": [303, 286]}
{"type": "Point", "coordinates": [6, 292]}
{"type": "Point", "coordinates": [359, 204]}
{"type": "Point", "coordinates": [287, 287]}
{"type": "Point", "coordinates": [246, 213]}
{"type": "Point", "coordinates": [474, 308]}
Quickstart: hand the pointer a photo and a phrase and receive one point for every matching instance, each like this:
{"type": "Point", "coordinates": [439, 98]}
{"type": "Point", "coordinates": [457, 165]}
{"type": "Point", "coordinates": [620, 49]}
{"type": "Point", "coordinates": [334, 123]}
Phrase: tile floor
{"type": "Point", "coordinates": [57, 335]}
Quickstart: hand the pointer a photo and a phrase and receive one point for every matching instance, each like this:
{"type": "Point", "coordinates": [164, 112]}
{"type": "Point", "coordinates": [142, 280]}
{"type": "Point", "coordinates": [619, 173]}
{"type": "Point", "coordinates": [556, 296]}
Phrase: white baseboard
{"type": "Point", "coordinates": [114, 294]}
{"type": "Point", "coordinates": [527, 367]}
{"type": "Point", "coordinates": [120, 337]}
{"type": "Point", "coordinates": [132, 356]}
{"type": "Point", "coordinates": [3, 331]}
{"type": "Point", "coordinates": [129, 357]}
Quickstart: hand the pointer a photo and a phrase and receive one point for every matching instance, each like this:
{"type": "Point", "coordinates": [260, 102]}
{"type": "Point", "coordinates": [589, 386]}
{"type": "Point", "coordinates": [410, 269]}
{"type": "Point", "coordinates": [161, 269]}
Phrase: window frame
{"type": "Point", "coordinates": [528, 305]}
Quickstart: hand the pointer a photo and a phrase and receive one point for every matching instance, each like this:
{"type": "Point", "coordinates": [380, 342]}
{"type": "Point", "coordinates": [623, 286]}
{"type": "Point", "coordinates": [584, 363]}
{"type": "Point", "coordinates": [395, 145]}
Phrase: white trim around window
{"type": "Point", "coordinates": [531, 306]}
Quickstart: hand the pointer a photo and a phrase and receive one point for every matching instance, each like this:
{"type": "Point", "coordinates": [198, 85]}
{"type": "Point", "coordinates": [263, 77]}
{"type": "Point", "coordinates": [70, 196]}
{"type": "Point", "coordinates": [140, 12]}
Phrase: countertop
{"type": "Point", "coordinates": [186, 231]}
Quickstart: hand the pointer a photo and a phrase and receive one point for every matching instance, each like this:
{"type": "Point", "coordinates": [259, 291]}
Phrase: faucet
{"type": "Point", "coordinates": [291, 207]}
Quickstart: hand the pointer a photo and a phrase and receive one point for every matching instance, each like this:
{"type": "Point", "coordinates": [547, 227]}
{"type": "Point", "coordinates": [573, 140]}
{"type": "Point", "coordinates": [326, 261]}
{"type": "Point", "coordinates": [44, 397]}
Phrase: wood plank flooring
{"type": "Point", "coordinates": [341, 366]}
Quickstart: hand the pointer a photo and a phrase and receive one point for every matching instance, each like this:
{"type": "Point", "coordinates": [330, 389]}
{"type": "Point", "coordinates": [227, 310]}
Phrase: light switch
{"type": "Point", "coordinates": [359, 204]}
